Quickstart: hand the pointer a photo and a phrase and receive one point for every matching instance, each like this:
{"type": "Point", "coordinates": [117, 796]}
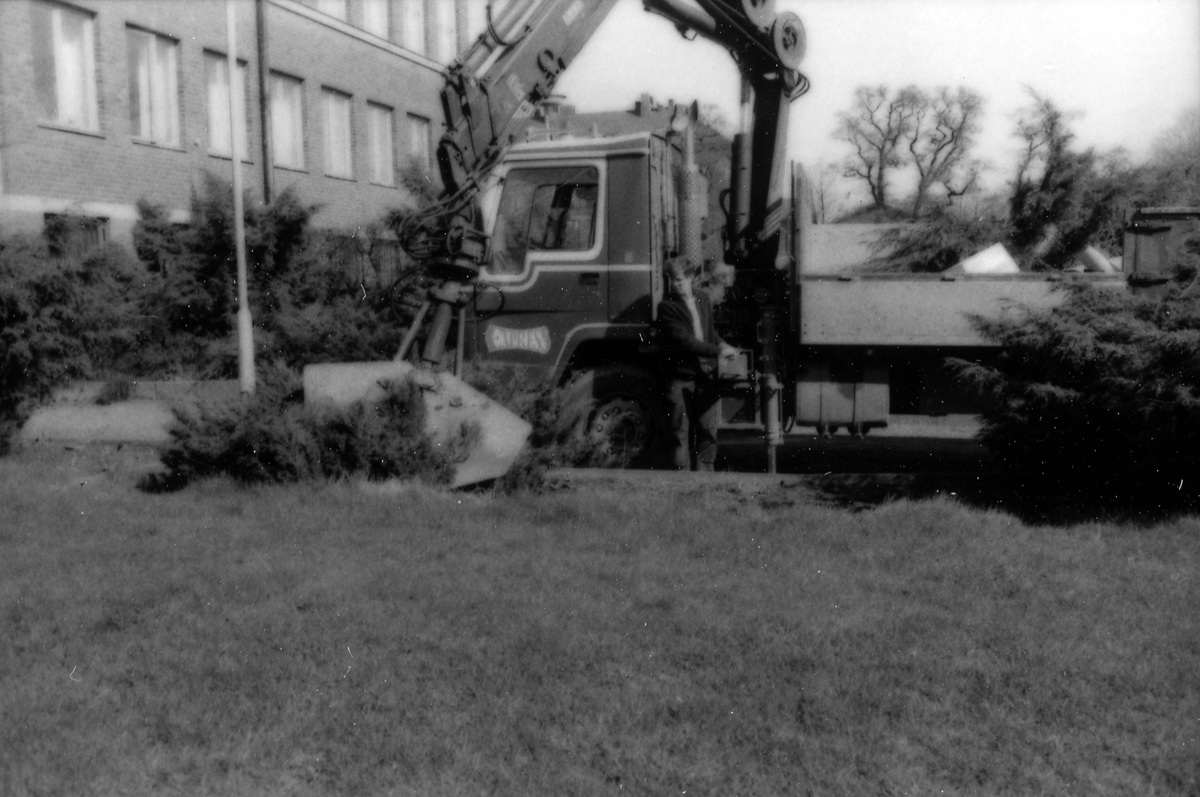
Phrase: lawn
{"type": "Point", "coordinates": [326, 640]}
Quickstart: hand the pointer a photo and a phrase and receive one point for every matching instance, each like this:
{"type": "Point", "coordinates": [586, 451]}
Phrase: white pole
{"type": "Point", "coordinates": [245, 327]}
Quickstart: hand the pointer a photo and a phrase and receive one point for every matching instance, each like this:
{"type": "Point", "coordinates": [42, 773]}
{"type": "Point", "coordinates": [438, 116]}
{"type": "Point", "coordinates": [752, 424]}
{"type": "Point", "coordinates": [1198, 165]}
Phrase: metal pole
{"type": "Point", "coordinates": [264, 106]}
{"type": "Point", "coordinates": [245, 326]}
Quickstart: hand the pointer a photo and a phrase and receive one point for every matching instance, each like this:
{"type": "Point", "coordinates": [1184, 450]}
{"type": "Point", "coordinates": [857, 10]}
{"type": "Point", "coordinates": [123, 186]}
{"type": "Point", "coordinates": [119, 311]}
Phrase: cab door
{"type": "Point", "coordinates": [547, 275]}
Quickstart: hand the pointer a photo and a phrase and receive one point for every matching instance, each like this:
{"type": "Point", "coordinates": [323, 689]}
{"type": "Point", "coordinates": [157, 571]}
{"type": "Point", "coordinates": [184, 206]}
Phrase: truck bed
{"type": "Point", "coordinates": [922, 309]}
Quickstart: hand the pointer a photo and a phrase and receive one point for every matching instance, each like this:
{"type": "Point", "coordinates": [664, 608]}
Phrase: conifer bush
{"type": "Point", "coordinates": [273, 437]}
{"type": "Point", "coordinates": [305, 308]}
{"type": "Point", "coordinates": [59, 320]}
{"type": "Point", "coordinates": [1101, 391]}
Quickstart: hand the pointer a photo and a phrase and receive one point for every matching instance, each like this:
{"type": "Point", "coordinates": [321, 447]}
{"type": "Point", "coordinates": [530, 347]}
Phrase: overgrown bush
{"type": "Point", "coordinates": [59, 320]}
{"type": "Point", "coordinates": [944, 237]}
{"type": "Point", "coordinates": [274, 437]}
{"type": "Point", "coordinates": [1101, 391]}
{"type": "Point", "coordinates": [305, 307]}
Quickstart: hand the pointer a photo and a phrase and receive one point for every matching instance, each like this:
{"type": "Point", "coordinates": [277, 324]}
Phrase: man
{"type": "Point", "coordinates": [690, 349]}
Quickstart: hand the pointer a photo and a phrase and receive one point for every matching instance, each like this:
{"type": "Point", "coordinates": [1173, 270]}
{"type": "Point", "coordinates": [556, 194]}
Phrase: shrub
{"type": "Point", "coordinates": [943, 238]}
{"type": "Point", "coordinates": [1101, 391]}
{"type": "Point", "coordinates": [59, 321]}
{"type": "Point", "coordinates": [305, 307]}
{"type": "Point", "coordinates": [273, 437]}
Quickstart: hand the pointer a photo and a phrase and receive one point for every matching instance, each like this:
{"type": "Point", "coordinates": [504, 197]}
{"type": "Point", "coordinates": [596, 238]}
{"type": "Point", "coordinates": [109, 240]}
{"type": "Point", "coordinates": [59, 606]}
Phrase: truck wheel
{"type": "Point", "coordinates": [618, 409]}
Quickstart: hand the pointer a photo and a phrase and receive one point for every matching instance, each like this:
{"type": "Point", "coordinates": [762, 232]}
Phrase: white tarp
{"type": "Point", "coordinates": [993, 260]}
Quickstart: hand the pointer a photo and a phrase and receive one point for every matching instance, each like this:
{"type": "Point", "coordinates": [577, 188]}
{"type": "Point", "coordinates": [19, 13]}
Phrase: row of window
{"type": "Point", "coordinates": [338, 122]}
{"type": "Point", "coordinates": [65, 76]}
{"type": "Point", "coordinates": [409, 25]}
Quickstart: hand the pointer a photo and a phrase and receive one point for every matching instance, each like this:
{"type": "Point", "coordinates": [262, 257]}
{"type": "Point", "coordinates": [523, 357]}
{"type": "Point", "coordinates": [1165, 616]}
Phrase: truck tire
{"type": "Point", "coordinates": [619, 409]}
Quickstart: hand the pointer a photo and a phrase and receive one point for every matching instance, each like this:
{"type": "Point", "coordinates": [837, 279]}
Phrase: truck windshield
{"type": "Point", "coordinates": [545, 209]}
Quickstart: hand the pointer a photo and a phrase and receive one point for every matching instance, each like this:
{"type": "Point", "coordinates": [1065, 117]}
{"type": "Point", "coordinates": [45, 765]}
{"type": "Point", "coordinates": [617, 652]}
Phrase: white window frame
{"type": "Point", "coordinates": [337, 109]}
{"type": "Point", "coordinates": [376, 18]}
{"type": "Point", "coordinates": [381, 138]}
{"type": "Point", "coordinates": [446, 31]}
{"type": "Point", "coordinates": [287, 121]}
{"type": "Point", "coordinates": [216, 81]}
{"type": "Point", "coordinates": [75, 98]}
{"type": "Point", "coordinates": [412, 26]}
{"type": "Point", "coordinates": [153, 87]}
{"type": "Point", "coordinates": [420, 132]}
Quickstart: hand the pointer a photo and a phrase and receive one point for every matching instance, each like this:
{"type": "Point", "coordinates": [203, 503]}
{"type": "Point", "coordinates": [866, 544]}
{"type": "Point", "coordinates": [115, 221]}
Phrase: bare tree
{"type": "Point", "coordinates": [875, 127]}
{"type": "Point", "coordinates": [964, 180]}
{"type": "Point", "coordinates": [940, 136]}
{"type": "Point", "coordinates": [824, 187]}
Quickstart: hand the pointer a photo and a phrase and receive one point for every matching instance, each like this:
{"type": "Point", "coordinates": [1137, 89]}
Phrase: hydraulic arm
{"type": "Point", "coordinates": [493, 89]}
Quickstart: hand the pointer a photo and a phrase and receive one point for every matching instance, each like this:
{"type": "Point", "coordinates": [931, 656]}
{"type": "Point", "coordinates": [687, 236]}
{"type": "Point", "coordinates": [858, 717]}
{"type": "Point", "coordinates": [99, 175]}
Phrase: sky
{"type": "Point", "coordinates": [1128, 68]}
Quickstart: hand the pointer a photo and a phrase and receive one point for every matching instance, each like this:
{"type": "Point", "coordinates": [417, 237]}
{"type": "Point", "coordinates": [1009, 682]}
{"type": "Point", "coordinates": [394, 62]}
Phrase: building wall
{"type": "Point", "coordinates": [51, 168]}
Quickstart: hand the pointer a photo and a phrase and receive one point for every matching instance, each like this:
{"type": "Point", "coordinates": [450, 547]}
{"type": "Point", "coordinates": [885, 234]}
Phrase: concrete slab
{"type": "Point", "coordinates": [144, 417]}
{"type": "Point", "coordinates": [146, 422]}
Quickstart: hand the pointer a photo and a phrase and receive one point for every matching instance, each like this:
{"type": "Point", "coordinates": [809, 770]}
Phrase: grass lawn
{"type": "Point", "coordinates": [324, 640]}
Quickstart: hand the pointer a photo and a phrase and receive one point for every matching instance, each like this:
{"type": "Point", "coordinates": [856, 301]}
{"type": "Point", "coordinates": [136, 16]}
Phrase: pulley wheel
{"type": "Point", "coordinates": [789, 39]}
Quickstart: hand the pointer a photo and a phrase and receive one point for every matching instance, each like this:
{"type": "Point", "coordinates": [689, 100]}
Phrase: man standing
{"type": "Point", "coordinates": [690, 349]}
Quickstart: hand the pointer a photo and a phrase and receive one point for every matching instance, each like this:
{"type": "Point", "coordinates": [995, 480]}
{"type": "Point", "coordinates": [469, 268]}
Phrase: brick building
{"type": "Point", "coordinates": [105, 102]}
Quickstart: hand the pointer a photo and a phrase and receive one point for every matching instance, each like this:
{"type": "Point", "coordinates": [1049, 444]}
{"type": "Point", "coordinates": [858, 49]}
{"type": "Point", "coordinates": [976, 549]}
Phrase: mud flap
{"type": "Point", "coordinates": [450, 405]}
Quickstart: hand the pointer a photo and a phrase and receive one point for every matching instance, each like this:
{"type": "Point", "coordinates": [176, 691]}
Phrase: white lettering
{"type": "Point", "coordinates": [536, 340]}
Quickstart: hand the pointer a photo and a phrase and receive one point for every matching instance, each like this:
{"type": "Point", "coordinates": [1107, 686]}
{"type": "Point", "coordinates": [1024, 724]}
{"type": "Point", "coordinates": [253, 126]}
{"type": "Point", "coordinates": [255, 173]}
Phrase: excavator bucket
{"type": "Point", "coordinates": [450, 405]}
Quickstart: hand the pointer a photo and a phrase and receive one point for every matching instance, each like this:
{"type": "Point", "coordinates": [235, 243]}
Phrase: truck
{"type": "Point", "coordinates": [548, 254]}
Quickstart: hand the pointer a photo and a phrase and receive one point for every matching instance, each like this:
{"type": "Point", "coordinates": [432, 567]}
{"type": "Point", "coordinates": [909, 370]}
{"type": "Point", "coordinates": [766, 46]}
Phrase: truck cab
{"type": "Point", "coordinates": [575, 258]}
{"type": "Point", "coordinates": [578, 229]}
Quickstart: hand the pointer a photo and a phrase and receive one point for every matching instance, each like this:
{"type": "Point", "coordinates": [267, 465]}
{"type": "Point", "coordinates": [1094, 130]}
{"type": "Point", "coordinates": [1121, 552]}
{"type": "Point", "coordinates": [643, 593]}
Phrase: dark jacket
{"type": "Point", "coordinates": [684, 355]}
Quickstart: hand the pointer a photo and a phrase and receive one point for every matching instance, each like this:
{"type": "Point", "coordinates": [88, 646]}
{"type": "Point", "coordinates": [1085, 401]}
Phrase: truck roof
{"type": "Point", "coordinates": [574, 146]}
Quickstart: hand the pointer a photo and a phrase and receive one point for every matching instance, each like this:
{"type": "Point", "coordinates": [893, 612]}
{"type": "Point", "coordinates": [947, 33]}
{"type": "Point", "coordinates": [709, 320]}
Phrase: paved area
{"type": "Point", "coordinates": [142, 415]}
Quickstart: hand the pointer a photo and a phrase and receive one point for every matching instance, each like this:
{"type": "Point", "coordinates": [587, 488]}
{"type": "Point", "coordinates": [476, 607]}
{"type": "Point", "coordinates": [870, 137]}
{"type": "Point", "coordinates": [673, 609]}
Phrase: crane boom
{"type": "Point", "coordinates": [492, 90]}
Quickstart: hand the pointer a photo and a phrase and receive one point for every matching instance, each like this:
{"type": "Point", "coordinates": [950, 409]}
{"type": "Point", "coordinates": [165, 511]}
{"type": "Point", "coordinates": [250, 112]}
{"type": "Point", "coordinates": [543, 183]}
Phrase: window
{"type": "Point", "coordinates": [153, 87]}
{"type": "Point", "coordinates": [412, 25]}
{"type": "Point", "coordinates": [418, 141]}
{"type": "Point", "coordinates": [375, 18]}
{"type": "Point", "coordinates": [447, 31]}
{"type": "Point", "coordinates": [334, 8]}
{"type": "Point", "coordinates": [72, 236]}
{"type": "Point", "coordinates": [216, 73]}
{"type": "Point", "coordinates": [64, 66]}
{"type": "Point", "coordinates": [287, 121]}
{"type": "Point", "coordinates": [339, 146]}
{"type": "Point", "coordinates": [544, 209]}
{"type": "Point", "coordinates": [379, 134]}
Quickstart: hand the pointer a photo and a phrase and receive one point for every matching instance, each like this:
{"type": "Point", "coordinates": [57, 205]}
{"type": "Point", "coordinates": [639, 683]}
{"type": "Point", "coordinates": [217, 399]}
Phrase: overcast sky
{"type": "Point", "coordinates": [1129, 67]}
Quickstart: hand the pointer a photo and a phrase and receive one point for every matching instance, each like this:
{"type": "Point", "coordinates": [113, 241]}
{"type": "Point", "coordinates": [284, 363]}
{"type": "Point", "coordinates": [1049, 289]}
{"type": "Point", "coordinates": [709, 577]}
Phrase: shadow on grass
{"type": "Point", "coordinates": [1035, 499]}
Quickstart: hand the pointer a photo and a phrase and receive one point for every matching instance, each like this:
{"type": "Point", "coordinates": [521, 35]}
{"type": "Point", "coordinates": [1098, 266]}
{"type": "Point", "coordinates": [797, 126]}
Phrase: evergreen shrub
{"type": "Point", "coordinates": [273, 437]}
{"type": "Point", "coordinates": [1099, 392]}
{"type": "Point", "coordinates": [59, 320]}
{"type": "Point", "coordinates": [305, 306]}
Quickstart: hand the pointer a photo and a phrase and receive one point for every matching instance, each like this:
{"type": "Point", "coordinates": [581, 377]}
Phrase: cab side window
{"type": "Point", "coordinates": [544, 210]}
